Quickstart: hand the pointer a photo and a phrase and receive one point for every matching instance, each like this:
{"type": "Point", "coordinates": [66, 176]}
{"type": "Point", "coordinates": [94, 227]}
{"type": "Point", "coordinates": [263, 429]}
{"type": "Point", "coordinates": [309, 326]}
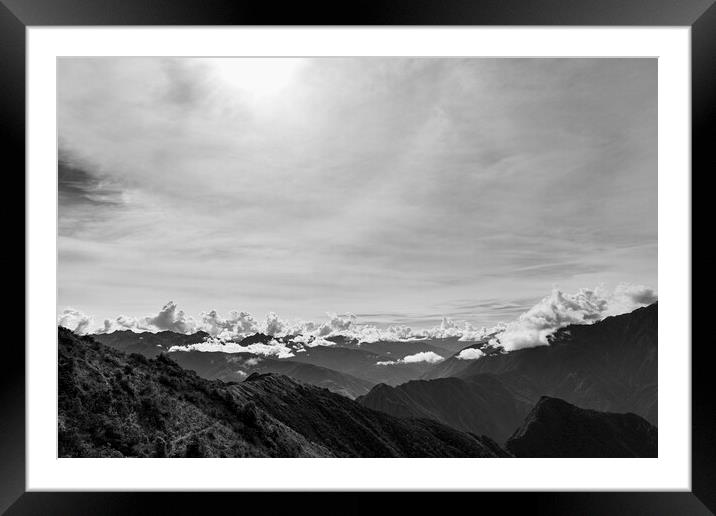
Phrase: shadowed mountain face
{"type": "Point", "coordinates": [610, 366]}
{"type": "Point", "coordinates": [351, 430]}
{"type": "Point", "coordinates": [480, 404]}
{"type": "Point", "coordinates": [554, 428]}
{"type": "Point", "coordinates": [113, 405]}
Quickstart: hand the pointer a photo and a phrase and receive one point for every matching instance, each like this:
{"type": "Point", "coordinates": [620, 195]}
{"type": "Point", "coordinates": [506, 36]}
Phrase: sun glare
{"type": "Point", "coordinates": [260, 78]}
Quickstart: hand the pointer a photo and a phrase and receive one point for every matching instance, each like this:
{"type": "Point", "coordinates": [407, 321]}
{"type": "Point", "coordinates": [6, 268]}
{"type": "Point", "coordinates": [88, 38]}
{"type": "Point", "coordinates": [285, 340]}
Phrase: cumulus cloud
{"type": "Point", "coordinates": [424, 356]}
{"type": "Point", "coordinates": [470, 354]}
{"type": "Point", "coordinates": [75, 320]}
{"type": "Point", "coordinates": [238, 323]}
{"type": "Point", "coordinates": [172, 319]}
{"type": "Point", "coordinates": [169, 318]}
{"type": "Point", "coordinates": [532, 328]}
{"type": "Point", "coordinates": [274, 325]}
{"type": "Point", "coordinates": [561, 309]}
{"type": "Point", "coordinates": [340, 322]}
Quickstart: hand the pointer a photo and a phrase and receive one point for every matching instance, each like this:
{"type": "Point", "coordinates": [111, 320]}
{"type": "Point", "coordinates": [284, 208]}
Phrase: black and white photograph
{"type": "Point", "coordinates": [425, 257]}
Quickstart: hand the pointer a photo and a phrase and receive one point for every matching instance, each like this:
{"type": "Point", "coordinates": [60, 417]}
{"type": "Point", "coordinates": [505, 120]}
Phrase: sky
{"type": "Point", "coordinates": [400, 190]}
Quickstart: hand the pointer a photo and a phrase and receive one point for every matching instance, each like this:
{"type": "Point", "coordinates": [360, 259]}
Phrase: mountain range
{"type": "Point", "coordinates": [347, 367]}
{"type": "Point", "coordinates": [117, 405]}
{"type": "Point", "coordinates": [592, 390]}
{"type": "Point", "coordinates": [610, 365]}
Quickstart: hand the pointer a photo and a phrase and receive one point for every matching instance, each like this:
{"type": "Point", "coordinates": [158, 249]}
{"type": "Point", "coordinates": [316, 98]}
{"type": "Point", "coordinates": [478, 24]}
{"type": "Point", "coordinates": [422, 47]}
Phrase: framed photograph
{"type": "Point", "coordinates": [414, 249]}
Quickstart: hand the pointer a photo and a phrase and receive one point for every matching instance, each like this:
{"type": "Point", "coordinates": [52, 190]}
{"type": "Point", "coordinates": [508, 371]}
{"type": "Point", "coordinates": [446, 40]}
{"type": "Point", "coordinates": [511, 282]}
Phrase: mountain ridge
{"type": "Point", "coordinates": [610, 365]}
{"type": "Point", "coordinates": [112, 405]}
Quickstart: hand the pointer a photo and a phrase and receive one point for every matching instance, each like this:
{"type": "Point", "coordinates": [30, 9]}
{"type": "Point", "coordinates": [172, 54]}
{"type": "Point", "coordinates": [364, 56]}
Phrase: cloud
{"type": "Point", "coordinates": [238, 323]}
{"type": "Point", "coordinates": [627, 297]}
{"type": "Point", "coordinates": [531, 328]}
{"type": "Point", "coordinates": [75, 320]}
{"type": "Point", "coordinates": [169, 318]}
{"type": "Point", "coordinates": [312, 341]}
{"type": "Point", "coordinates": [273, 325]}
{"type": "Point", "coordinates": [424, 356]}
{"type": "Point", "coordinates": [561, 309]}
{"type": "Point", "coordinates": [470, 354]}
{"type": "Point", "coordinates": [273, 348]}
{"type": "Point", "coordinates": [421, 141]}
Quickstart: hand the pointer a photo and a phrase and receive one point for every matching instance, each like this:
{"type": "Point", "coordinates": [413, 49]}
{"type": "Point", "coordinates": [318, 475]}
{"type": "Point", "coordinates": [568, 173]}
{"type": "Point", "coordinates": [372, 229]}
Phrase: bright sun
{"type": "Point", "coordinates": [258, 77]}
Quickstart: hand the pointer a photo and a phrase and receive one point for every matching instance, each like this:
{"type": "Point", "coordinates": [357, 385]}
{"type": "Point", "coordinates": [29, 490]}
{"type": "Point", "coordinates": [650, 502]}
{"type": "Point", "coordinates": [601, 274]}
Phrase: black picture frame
{"type": "Point", "coordinates": [16, 15]}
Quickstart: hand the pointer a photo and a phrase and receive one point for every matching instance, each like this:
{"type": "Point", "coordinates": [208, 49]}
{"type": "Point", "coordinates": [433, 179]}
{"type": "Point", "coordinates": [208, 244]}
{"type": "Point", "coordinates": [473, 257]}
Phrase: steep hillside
{"type": "Point", "coordinates": [554, 428]}
{"type": "Point", "coordinates": [351, 430]}
{"type": "Point", "coordinates": [114, 405]}
{"type": "Point", "coordinates": [609, 366]}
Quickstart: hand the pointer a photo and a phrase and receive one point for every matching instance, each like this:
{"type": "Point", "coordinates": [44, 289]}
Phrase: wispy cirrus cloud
{"type": "Point", "coordinates": [372, 185]}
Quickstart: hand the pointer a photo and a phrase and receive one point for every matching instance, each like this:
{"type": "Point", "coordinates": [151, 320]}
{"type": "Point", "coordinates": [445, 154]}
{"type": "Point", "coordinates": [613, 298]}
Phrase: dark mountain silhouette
{"type": "Point", "coordinates": [256, 338]}
{"type": "Point", "coordinates": [610, 366]}
{"type": "Point", "coordinates": [112, 405]}
{"type": "Point", "coordinates": [555, 428]}
{"type": "Point", "coordinates": [480, 404]}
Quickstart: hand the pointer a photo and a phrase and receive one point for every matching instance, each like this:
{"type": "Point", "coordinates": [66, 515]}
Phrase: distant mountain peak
{"type": "Point", "coordinates": [256, 338]}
